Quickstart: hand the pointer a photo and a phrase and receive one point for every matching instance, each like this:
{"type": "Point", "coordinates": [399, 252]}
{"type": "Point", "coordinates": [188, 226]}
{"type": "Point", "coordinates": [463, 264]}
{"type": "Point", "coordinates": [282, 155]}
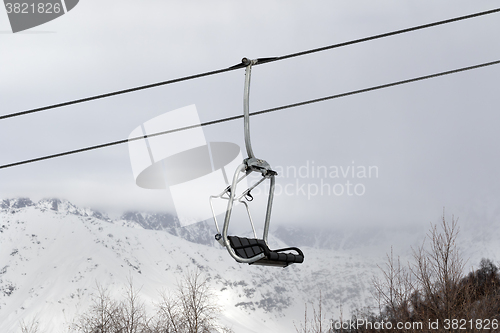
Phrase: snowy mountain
{"type": "Point", "coordinates": [53, 254]}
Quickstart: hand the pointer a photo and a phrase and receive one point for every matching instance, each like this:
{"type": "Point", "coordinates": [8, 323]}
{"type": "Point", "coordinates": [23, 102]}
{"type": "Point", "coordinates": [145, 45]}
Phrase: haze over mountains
{"type": "Point", "coordinates": [53, 253]}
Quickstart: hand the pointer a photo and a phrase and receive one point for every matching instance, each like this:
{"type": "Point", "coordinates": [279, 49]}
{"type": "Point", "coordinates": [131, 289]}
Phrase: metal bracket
{"type": "Point", "coordinates": [258, 165]}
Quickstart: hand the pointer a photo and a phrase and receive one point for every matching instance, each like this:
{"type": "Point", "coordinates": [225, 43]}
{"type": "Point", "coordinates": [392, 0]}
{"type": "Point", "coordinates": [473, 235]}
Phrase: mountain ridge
{"type": "Point", "coordinates": [54, 252]}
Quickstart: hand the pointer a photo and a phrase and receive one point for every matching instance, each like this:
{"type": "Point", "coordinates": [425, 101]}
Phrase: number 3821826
{"type": "Point", "coordinates": [40, 8]}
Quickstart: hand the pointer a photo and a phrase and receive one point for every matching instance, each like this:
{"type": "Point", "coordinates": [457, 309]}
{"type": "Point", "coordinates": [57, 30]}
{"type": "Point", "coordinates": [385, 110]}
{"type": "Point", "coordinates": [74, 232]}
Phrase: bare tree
{"type": "Point", "coordinates": [393, 292]}
{"type": "Point", "coordinates": [193, 309]}
{"type": "Point", "coordinates": [30, 326]}
{"type": "Point", "coordinates": [132, 317]}
{"type": "Point", "coordinates": [169, 315]}
{"type": "Point", "coordinates": [196, 301]}
{"type": "Point", "coordinates": [318, 323]}
{"type": "Point", "coordinates": [439, 270]}
{"type": "Point", "coordinates": [102, 317]}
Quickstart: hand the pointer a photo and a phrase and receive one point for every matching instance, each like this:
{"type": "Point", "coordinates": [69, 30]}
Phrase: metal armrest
{"type": "Point", "coordinates": [290, 248]}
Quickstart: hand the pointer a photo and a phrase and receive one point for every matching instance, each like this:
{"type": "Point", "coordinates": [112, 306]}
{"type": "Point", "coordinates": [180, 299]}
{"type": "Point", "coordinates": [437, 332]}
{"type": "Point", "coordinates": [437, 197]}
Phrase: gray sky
{"type": "Point", "coordinates": [433, 143]}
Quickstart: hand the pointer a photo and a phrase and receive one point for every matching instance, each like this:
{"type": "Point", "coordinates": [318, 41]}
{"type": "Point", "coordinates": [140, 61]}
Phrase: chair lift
{"type": "Point", "coordinates": [253, 251]}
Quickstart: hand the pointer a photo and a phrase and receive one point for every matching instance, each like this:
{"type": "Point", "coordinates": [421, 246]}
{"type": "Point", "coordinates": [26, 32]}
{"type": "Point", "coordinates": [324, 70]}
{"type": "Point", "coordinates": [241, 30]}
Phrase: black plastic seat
{"type": "Point", "coordinates": [248, 248]}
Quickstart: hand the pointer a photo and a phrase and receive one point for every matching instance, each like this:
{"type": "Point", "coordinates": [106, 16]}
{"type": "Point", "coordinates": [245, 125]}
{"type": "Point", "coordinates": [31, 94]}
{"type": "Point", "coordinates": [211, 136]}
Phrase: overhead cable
{"type": "Point", "coordinates": [354, 92]}
{"type": "Point", "coordinates": [264, 60]}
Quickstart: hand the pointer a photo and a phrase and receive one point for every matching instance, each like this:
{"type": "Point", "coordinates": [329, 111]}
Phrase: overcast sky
{"type": "Point", "coordinates": [431, 144]}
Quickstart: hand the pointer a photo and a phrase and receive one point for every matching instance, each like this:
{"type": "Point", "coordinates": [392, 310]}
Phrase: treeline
{"type": "Point", "coordinates": [192, 308]}
{"type": "Point", "coordinates": [469, 304]}
{"type": "Point", "coordinates": [430, 294]}
{"type": "Point", "coordinates": [433, 291]}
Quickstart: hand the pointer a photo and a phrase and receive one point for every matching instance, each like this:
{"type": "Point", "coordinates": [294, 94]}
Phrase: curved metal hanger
{"type": "Point", "coordinates": [249, 165]}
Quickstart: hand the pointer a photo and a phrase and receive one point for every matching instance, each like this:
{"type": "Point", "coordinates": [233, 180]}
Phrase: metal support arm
{"type": "Point", "coordinates": [246, 105]}
{"type": "Point", "coordinates": [249, 165]}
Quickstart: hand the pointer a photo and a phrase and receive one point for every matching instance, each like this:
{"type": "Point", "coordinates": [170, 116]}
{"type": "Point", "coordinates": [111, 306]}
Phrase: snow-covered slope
{"type": "Point", "coordinates": [52, 254]}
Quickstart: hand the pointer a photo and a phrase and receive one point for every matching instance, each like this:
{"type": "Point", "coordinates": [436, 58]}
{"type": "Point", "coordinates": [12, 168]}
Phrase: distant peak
{"type": "Point", "coordinates": [16, 203]}
{"type": "Point", "coordinates": [50, 203]}
{"type": "Point", "coordinates": [155, 221]}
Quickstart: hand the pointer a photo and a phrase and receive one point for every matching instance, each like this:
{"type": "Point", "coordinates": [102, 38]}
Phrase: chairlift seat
{"type": "Point", "coordinates": [253, 251]}
{"type": "Point", "coordinates": [248, 248]}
